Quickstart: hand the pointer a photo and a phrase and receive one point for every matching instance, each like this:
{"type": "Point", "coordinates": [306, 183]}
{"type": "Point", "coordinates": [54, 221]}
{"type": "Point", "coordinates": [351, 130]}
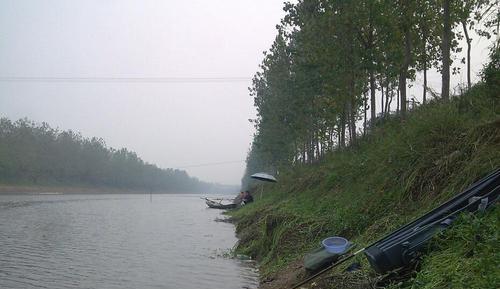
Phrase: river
{"type": "Point", "coordinates": [117, 241]}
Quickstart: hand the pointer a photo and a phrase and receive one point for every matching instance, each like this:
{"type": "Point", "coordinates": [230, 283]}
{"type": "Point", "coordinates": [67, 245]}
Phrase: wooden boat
{"type": "Point", "coordinates": [219, 205]}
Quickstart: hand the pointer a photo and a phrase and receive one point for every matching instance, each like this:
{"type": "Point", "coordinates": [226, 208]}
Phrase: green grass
{"type": "Point", "coordinates": [400, 170]}
{"type": "Point", "coordinates": [466, 256]}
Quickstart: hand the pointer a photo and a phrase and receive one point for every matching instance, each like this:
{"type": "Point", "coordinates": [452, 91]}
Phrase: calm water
{"type": "Point", "coordinates": [116, 241]}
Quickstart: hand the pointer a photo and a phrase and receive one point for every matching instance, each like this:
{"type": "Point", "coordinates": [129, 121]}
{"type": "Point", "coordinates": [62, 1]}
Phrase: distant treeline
{"type": "Point", "coordinates": [37, 154]}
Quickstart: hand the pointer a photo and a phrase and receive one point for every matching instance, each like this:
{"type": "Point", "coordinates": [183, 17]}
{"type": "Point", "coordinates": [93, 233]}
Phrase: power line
{"type": "Point", "coordinates": [126, 79]}
{"type": "Point", "coordinates": [210, 164]}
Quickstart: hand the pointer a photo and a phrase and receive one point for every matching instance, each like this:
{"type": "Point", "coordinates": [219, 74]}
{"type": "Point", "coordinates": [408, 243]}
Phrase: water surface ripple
{"type": "Point", "coordinates": [116, 241]}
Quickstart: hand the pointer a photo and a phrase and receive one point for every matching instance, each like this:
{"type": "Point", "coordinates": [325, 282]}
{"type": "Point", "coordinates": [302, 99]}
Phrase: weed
{"type": "Point", "coordinates": [396, 173]}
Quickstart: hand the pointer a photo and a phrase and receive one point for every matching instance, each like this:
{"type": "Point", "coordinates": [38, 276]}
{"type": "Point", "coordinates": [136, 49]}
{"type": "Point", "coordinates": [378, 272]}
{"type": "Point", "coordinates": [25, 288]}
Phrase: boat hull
{"type": "Point", "coordinates": [216, 205]}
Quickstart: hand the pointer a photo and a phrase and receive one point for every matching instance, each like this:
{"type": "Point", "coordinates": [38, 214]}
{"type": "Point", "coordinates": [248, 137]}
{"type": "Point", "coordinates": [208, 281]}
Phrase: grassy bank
{"type": "Point", "coordinates": [400, 170]}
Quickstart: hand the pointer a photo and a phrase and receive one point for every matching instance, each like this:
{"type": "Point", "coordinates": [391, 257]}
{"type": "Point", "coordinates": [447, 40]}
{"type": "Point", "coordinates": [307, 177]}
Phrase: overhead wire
{"type": "Point", "coordinates": [124, 79]}
{"type": "Point", "coordinates": [209, 164]}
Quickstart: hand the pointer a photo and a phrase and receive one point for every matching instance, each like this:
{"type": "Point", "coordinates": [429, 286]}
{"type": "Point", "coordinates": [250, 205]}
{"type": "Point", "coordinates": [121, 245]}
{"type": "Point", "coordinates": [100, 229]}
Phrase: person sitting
{"type": "Point", "coordinates": [239, 198]}
{"type": "Point", "coordinates": [247, 198]}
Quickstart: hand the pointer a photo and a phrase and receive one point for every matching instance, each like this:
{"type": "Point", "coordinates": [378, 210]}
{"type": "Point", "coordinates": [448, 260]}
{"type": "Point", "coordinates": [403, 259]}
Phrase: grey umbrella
{"type": "Point", "coordinates": [264, 177]}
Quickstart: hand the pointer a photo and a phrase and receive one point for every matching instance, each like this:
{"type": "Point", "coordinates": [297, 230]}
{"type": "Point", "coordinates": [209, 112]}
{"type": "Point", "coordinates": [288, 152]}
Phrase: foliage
{"type": "Point", "coordinates": [491, 73]}
{"type": "Point", "coordinates": [321, 75]}
{"type": "Point", "coordinates": [37, 154]}
{"type": "Point", "coordinates": [466, 256]}
{"type": "Point", "coordinates": [402, 169]}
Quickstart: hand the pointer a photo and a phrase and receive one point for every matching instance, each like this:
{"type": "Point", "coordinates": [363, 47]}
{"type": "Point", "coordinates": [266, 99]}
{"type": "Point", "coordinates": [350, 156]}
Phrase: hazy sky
{"type": "Point", "coordinates": [179, 125]}
{"type": "Point", "coordinates": [169, 124]}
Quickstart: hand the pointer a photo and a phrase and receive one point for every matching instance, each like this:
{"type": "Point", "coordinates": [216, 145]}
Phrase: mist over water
{"type": "Point", "coordinates": [117, 241]}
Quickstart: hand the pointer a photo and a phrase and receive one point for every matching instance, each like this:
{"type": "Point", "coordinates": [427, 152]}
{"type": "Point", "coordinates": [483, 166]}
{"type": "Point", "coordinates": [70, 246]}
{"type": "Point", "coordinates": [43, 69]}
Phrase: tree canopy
{"type": "Point", "coordinates": [32, 153]}
{"type": "Point", "coordinates": [317, 86]}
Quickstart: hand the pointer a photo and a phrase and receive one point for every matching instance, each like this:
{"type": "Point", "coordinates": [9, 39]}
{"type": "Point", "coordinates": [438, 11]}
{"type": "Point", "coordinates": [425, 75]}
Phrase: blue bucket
{"type": "Point", "coordinates": [335, 245]}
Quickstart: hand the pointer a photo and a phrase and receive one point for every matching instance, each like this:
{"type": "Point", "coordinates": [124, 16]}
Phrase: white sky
{"type": "Point", "coordinates": [169, 124]}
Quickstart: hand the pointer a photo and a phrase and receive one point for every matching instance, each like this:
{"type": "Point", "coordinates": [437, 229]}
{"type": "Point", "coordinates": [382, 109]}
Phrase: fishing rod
{"type": "Point", "coordinates": [218, 199]}
{"type": "Point", "coordinates": [341, 261]}
{"type": "Point", "coordinates": [350, 256]}
{"type": "Point", "coordinates": [473, 200]}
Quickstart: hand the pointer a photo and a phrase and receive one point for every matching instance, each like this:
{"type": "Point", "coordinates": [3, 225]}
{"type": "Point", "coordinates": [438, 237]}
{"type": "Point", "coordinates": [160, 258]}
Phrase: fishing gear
{"type": "Point", "coordinates": [400, 248]}
{"type": "Point", "coordinates": [340, 261]}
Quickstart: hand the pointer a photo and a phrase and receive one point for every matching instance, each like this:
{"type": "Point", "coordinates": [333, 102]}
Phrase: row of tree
{"type": "Point", "coordinates": [331, 58]}
{"type": "Point", "coordinates": [33, 153]}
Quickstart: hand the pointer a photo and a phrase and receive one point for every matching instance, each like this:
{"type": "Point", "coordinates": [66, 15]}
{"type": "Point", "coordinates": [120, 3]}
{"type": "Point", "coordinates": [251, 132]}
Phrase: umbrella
{"type": "Point", "coordinates": [264, 177]}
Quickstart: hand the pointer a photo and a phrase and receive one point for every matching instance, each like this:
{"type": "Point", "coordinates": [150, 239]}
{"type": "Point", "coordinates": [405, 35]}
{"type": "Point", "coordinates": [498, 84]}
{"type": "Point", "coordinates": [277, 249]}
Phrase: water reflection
{"type": "Point", "coordinates": [110, 241]}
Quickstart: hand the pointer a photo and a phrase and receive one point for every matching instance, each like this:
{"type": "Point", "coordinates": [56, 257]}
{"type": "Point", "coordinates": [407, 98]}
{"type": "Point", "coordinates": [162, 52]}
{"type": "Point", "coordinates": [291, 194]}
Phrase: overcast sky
{"type": "Point", "coordinates": [179, 125]}
{"type": "Point", "coordinates": [169, 124]}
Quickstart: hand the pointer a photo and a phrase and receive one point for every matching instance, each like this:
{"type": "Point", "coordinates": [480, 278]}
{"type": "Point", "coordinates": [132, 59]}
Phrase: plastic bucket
{"type": "Point", "coordinates": [335, 245]}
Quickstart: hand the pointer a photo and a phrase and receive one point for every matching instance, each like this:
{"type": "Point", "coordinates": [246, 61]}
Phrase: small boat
{"type": "Point", "coordinates": [219, 205]}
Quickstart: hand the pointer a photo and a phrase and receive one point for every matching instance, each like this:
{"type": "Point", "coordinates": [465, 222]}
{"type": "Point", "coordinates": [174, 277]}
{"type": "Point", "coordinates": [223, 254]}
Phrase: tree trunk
{"type": "Point", "coordinates": [311, 148]}
{"type": "Point", "coordinates": [402, 90]}
{"type": "Point", "coordinates": [349, 127]}
{"type": "Point", "coordinates": [387, 104]}
{"type": "Point", "coordinates": [445, 46]}
{"type": "Point", "coordinates": [424, 60]}
{"type": "Point", "coordinates": [296, 152]}
{"type": "Point", "coordinates": [397, 99]}
{"type": "Point", "coordinates": [352, 113]}
{"type": "Point", "coordinates": [403, 75]}
{"type": "Point", "coordinates": [352, 104]}
{"type": "Point", "coordinates": [365, 101]}
{"type": "Point", "coordinates": [372, 97]}
{"type": "Point", "coordinates": [339, 136]}
{"type": "Point", "coordinates": [382, 99]}
{"type": "Point", "coordinates": [304, 149]}
{"type": "Point", "coordinates": [319, 147]}
{"type": "Point", "coordinates": [348, 118]}
{"type": "Point", "coordinates": [372, 60]}
{"type": "Point", "coordinates": [390, 100]}
{"type": "Point", "coordinates": [342, 129]}
{"type": "Point", "coordinates": [467, 38]}
{"type": "Point", "coordinates": [331, 142]}
{"type": "Point", "coordinates": [424, 98]}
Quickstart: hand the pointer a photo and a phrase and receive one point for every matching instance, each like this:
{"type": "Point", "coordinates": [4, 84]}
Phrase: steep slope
{"type": "Point", "coordinates": [401, 169]}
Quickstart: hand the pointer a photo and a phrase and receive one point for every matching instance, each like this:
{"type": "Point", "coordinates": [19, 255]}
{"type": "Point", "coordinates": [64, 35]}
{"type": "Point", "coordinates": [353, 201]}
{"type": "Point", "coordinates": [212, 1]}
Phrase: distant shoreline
{"type": "Point", "coordinates": [53, 190]}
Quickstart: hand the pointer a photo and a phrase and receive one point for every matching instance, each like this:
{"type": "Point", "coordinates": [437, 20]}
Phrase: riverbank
{"type": "Point", "coordinates": [400, 170]}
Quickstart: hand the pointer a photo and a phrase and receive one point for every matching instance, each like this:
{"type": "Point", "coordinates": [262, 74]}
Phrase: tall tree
{"type": "Point", "coordinates": [406, 13]}
{"type": "Point", "coordinates": [470, 13]}
{"type": "Point", "coordinates": [445, 48]}
{"type": "Point", "coordinates": [428, 29]}
{"type": "Point", "coordinates": [322, 72]}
